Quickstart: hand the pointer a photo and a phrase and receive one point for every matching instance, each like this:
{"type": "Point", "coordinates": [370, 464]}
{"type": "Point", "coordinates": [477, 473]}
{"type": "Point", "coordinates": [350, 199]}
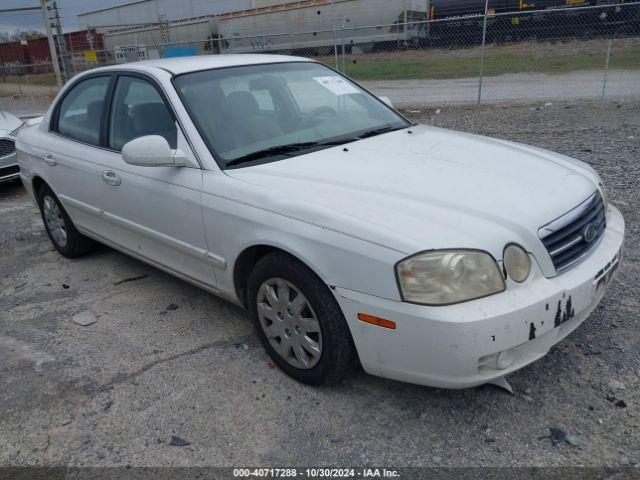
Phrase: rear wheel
{"type": "Point", "coordinates": [299, 322]}
{"type": "Point", "coordinates": [60, 229]}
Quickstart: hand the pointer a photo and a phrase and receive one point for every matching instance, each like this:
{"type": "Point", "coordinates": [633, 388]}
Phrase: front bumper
{"type": "Point", "coordinates": [456, 346]}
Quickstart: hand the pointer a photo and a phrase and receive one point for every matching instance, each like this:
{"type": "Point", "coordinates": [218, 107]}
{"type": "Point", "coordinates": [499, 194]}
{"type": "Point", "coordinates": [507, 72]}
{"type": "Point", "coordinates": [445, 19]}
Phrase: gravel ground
{"type": "Point", "coordinates": [166, 359]}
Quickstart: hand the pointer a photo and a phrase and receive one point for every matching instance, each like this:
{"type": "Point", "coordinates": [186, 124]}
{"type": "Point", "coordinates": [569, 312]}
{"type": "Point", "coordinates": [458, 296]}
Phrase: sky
{"type": "Point", "coordinates": [69, 9]}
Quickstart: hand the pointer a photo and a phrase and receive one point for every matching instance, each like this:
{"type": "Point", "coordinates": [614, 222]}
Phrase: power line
{"type": "Point", "coordinates": [19, 9]}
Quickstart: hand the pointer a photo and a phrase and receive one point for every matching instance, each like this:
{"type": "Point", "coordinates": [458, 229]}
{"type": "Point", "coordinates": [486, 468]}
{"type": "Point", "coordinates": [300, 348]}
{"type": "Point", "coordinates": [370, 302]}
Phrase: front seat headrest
{"type": "Point", "coordinates": [240, 104]}
{"type": "Point", "coordinates": [151, 118]}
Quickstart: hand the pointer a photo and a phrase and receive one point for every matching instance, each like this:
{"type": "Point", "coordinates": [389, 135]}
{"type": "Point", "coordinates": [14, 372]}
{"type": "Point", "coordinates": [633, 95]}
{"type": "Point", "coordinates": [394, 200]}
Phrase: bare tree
{"type": "Point", "coordinates": [16, 36]}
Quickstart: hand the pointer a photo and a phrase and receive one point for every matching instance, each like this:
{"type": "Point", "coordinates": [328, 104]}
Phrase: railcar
{"type": "Point", "coordinates": [454, 22]}
{"type": "Point", "coordinates": [313, 27]}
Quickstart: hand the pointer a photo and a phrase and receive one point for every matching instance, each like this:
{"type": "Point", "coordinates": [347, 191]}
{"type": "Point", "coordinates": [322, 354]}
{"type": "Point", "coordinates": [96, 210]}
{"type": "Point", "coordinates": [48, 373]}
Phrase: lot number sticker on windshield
{"type": "Point", "coordinates": [336, 85]}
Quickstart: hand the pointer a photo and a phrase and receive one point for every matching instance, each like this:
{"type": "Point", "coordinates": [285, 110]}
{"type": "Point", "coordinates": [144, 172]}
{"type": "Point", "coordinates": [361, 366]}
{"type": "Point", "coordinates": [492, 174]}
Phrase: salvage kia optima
{"type": "Point", "coordinates": [349, 233]}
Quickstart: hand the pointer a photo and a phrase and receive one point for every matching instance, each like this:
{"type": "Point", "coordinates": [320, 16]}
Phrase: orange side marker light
{"type": "Point", "coordinates": [380, 322]}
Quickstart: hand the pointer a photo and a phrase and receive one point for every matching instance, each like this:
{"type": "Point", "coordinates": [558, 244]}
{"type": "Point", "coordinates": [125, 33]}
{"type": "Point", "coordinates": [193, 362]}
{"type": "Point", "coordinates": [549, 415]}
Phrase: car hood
{"type": "Point", "coordinates": [431, 188]}
{"type": "Point", "coordinates": [8, 123]}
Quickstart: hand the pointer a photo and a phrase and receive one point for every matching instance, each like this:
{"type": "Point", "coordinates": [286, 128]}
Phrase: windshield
{"type": "Point", "coordinates": [268, 112]}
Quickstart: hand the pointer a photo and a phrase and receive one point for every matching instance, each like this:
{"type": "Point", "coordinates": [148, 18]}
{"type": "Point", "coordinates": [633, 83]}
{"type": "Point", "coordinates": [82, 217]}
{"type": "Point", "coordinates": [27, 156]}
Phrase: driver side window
{"type": "Point", "coordinates": [139, 110]}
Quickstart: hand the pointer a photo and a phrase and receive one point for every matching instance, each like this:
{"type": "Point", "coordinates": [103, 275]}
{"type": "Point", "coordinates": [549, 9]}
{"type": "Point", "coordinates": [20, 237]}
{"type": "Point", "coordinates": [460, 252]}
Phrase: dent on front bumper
{"type": "Point", "coordinates": [455, 346]}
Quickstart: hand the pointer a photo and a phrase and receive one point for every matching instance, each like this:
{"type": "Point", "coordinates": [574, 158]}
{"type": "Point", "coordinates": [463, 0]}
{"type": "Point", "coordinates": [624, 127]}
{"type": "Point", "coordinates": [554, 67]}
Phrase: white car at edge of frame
{"type": "Point", "coordinates": [10, 125]}
{"type": "Point", "coordinates": [349, 234]}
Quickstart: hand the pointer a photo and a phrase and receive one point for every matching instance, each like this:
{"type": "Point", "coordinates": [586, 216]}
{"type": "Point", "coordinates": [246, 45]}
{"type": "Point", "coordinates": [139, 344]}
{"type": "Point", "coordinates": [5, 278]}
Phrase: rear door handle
{"type": "Point", "coordinates": [111, 177]}
{"type": "Point", "coordinates": [49, 160]}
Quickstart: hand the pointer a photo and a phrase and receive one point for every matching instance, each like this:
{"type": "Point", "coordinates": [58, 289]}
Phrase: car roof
{"type": "Point", "coordinates": [205, 62]}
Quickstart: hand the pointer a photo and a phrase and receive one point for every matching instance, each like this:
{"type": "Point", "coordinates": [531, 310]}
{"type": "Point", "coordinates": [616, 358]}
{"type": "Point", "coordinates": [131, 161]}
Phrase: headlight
{"type": "Point", "coordinates": [605, 196]}
{"type": "Point", "coordinates": [516, 263]}
{"type": "Point", "coordinates": [443, 277]}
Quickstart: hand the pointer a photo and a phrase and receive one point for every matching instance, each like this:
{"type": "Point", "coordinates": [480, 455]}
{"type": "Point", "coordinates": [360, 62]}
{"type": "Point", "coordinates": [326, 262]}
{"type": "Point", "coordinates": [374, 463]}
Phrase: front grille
{"type": "Point", "coordinates": [7, 147]}
{"type": "Point", "coordinates": [572, 236]}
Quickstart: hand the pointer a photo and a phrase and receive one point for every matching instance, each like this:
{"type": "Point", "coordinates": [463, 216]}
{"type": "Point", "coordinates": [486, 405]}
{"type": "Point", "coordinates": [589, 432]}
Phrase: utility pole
{"type": "Point", "coordinates": [61, 42]}
{"type": "Point", "coordinates": [62, 46]}
{"type": "Point", "coordinates": [52, 45]}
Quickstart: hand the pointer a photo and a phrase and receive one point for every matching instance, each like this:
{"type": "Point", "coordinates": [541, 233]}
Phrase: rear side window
{"type": "Point", "coordinates": [80, 112]}
{"type": "Point", "coordinates": [139, 110]}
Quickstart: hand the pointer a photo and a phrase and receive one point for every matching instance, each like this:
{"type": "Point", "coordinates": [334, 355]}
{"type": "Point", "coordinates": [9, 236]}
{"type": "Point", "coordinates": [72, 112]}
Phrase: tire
{"type": "Point", "coordinates": [60, 229]}
{"type": "Point", "coordinates": [337, 356]}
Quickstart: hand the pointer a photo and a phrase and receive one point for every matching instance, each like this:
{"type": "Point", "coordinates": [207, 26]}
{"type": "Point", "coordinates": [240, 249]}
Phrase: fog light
{"type": "Point", "coordinates": [505, 359]}
{"type": "Point", "coordinates": [516, 263]}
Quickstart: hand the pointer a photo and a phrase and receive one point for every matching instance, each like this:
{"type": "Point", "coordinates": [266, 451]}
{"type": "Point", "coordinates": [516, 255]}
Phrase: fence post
{"type": "Point", "coordinates": [606, 70]}
{"type": "Point", "coordinates": [52, 45]}
{"type": "Point", "coordinates": [344, 66]}
{"type": "Point", "coordinates": [335, 34]}
{"type": "Point", "coordinates": [484, 41]}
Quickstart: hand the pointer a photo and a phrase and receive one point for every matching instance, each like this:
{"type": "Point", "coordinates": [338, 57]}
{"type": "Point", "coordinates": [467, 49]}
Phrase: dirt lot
{"type": "Point", "coordinates": [166, 359]}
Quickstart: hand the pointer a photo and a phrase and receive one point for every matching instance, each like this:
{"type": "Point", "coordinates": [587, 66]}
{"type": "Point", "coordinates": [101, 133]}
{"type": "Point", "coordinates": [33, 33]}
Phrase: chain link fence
{"type": "Point", "coordinates": [418, 60]}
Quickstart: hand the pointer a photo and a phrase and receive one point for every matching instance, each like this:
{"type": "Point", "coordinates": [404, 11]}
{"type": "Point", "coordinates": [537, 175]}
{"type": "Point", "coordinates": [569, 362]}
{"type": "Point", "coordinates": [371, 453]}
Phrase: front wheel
{"type": "Point", "coordinates": [299, 322]}
{"type": "Point", "coordinates": [60, 229]}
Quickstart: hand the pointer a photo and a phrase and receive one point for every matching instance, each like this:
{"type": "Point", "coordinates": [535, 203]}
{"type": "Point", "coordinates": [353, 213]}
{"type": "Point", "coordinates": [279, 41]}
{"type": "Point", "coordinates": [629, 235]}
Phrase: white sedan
{"type": "Point", "coordinates": [350, 234]}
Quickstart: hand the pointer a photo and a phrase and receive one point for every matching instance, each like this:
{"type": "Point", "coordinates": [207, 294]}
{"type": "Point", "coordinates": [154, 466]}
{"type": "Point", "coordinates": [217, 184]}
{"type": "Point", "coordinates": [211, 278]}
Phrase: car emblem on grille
{"type": "Point", "coordinates": [590, 233]}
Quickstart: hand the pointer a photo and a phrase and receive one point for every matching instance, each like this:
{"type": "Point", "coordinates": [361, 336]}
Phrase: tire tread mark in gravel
{"type": "Point", "coordinates": [124, 377]}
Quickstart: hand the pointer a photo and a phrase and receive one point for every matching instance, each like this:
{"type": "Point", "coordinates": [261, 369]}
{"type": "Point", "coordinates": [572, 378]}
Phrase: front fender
{"type": "Point", "coordinates": [232, 225]}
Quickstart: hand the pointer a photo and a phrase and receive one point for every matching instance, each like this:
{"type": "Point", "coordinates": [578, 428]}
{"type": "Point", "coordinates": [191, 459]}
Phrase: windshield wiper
{"type": "Point", "coordinates": [273, 151]}
{"type": "Point", "coordinates": [290, 148]}
{"type": "Point", "coordinates": [287, 150]}
{"type": "Point", "coordinates": [378, 131]}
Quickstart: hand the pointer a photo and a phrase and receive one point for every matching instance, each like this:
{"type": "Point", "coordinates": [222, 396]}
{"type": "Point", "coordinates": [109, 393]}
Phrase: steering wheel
{"type": "Point", "coordinates": [312, 119]}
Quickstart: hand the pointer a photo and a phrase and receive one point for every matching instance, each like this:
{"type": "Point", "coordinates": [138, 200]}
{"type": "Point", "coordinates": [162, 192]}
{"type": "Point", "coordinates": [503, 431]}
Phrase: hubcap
{"type": "Point", "coordinates": [54, 221]}
{"type": "Point", "coordinates": [289, 323]}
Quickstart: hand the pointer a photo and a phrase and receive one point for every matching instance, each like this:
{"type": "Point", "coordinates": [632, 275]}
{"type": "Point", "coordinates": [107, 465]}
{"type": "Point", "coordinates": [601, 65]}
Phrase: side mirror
{"type": "Point", "coordinates": [386, 101]}
{"type": "Point", "coordinates": [148, 151]}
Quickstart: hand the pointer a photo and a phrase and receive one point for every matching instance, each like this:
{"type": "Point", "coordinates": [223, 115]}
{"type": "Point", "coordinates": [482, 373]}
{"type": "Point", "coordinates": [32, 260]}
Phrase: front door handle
{"type": "Point", "coordinates": [111, 177]}
{"type": "Point", "coordinates": [49, 160]}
